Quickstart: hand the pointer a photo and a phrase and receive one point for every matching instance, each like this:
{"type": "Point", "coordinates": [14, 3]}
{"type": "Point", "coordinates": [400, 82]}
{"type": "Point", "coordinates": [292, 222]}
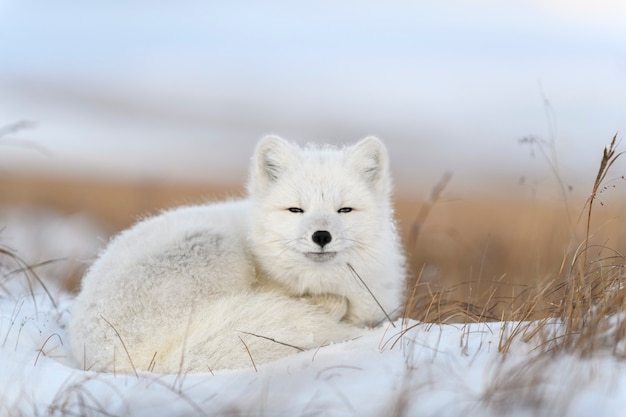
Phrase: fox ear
{"type": "Point", "coordinates": [369, 158]}
{"type": "Point", "coordinates": [272, 156]}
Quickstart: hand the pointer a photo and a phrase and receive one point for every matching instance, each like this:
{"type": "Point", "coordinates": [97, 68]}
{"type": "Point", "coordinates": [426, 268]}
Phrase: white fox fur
{"type": "Point", "coordinates": [312, 256]}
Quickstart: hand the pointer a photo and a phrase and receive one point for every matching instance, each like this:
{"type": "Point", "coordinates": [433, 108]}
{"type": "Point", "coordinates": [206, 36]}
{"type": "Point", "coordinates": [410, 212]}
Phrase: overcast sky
{"type": "Point", "coordinates": [154, 89]}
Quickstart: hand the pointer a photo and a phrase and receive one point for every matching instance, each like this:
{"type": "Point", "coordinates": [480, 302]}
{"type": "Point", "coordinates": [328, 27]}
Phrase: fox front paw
{"type": "Point", "coordinates": [335, 305]}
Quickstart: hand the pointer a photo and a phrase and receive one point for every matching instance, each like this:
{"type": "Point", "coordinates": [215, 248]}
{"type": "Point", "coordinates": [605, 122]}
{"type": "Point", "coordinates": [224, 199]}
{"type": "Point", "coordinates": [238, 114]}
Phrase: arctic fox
{"type": "Point", "coordinates": [312, 256]}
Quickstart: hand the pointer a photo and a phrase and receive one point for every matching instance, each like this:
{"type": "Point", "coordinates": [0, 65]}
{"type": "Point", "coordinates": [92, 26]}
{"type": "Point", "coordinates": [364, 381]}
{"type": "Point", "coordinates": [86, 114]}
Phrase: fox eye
{"type": "Point", "coordinates": [344, 210]}
{"type": "Point", "coordinates": [295, 210]}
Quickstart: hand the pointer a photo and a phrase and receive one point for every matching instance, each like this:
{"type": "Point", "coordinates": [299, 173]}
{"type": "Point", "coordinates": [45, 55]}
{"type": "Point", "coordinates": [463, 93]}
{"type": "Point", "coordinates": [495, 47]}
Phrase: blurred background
{"type": "Point", "coordinates": [110, 110]}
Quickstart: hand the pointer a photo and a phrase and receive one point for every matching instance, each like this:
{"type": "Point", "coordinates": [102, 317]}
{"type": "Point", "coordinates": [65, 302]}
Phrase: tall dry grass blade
{"type": "Point", "coordinates": [593, 293]}
{"type": "Point", "coordinates": [249, 354]}
{"type": "Point", "coordinates": [552, 161]}
{"type": "Point", "coordinates": [123, 345]}
{"type": "Point", "coordinates": [188, 399]}
{"type": "Point", "coordinates": [425, 209]}
{"type": "Point", "coordinates": [29, 272]}
{"type": "Point", "coordinates": [180, 376]}
{"type": "Point", "coordinates": [358, 277]}
{"type": "Point", "coordinates": [152, 363]}
{"type": "Point", "coordinates": [16, 127]}
{"type": "Point", "coordinates": [273, 340]}
{"type": "Point", "coordinates": [40, 350]}
{"type": "Point", "coordinates": [608, 159]}
{"type": "Point", "coordinates": [24, 144]}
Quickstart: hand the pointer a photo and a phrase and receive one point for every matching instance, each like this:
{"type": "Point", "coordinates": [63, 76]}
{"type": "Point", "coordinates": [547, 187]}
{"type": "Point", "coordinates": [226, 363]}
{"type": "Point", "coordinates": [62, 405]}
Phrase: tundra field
{"type": "Point", "coordinates": [483, 249]}
{"type": "Point", "coordinates": [515, 306]}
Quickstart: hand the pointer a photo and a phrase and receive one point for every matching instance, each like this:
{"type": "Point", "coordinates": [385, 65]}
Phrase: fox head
{"type": "Point", "coordinates": [318, 209]}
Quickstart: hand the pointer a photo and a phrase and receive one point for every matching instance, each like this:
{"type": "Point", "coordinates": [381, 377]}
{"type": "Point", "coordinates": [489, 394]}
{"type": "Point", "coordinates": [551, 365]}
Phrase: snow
{"type": "Point", "coordinates": [412, 369]}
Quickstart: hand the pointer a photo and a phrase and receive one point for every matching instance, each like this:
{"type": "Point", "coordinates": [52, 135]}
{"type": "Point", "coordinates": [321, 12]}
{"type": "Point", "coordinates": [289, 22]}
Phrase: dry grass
{"type": "Point", "coordinates": [488, 258]}
{"type": "Point", "coordinates": [471, 261]}
{"type": "Point", "coordinates": [573, 311]}
{"type": "Point", "coordinates": [583, 286]}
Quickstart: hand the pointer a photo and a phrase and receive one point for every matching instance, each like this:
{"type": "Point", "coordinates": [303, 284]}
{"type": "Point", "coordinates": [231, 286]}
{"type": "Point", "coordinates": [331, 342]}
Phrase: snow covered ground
{"type": "Point", "coordinates": [414, 369]}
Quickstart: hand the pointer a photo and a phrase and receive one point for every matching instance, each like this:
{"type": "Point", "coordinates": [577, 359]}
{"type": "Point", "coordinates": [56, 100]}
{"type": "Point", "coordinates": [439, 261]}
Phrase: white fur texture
{"type": "Point", "coordinates": [311, 257]}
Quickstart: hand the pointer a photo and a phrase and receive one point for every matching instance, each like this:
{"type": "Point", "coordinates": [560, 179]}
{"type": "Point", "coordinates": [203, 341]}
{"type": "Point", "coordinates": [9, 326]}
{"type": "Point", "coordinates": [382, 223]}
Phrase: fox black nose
{"type": "Point", "coordinates": [322, 238]}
